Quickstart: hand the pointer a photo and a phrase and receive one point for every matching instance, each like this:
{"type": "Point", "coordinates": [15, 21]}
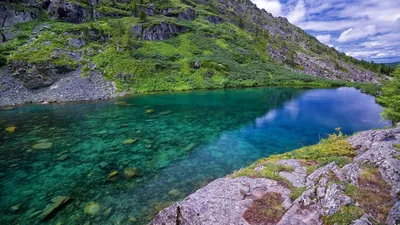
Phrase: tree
{"type": "Point", "coordinates": [141, 2]}
{"type": "Point", "coordinates": [133, 8]}
{"type": "Point", "coordinates": [142, 16]}
{"type": "Point", "coordinates": [240, 22]}
{"type": "Point", "coordinates": [390, 98]}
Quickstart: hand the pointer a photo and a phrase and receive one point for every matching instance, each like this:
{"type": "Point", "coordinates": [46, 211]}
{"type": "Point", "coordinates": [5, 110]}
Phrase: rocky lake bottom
{"type": "Point", "coordinates": [121, 161]}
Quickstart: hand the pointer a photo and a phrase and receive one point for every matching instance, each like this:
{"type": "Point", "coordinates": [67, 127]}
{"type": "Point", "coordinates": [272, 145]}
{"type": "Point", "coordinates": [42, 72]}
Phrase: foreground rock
{"type": "Point", "coordinates": [221, 202]}
{"type": "Point", "coordinates": [363, 191]}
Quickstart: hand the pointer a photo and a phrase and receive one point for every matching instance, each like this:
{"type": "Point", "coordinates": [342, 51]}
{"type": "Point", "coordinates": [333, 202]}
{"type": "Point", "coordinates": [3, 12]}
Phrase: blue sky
{"type": "Point", "coordinates": [364, 29]}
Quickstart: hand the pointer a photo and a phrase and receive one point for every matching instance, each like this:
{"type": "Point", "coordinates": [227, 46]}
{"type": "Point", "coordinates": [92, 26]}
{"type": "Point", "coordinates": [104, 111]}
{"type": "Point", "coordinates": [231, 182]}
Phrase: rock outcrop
{"type": "Point", "coordinates": [157, 32]}
{"type": "Point", "coordinates": [325, 191]}
{"type": "Point", "coordinates": [12, 14]}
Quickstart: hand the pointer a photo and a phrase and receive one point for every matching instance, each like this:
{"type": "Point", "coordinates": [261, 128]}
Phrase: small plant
{"type": "Point", "coordinates": [142, 16]}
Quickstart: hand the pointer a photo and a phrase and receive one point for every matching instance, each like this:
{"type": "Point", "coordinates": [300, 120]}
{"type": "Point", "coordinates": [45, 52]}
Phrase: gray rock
{"type": "Point", "coordinates": [376, 147]}
{"type": "Point", "coordinates": [76, 42]}
{"type": "Point", "coordinates": [215, 19]}
{"type": "Point", "coordinates": [364, 220]}
{"type": "Point", "coordinates": [137, 31]}
{"type": "Point", "coordinates": [298, 176]}
{"type": "Point", "coordinates": [394, 214]}
{"type": "Point", "coordinates": [187, 14]}
{"type": "Point", "coordinates": [220, 202]}
{"type": "Point", "coordinates": [197, 65]}
{"type": "Point", "coordinates": [350, 173]}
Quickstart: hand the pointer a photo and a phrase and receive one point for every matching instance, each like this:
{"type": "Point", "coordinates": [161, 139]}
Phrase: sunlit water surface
{"type": "Point", "coordinates": [190, 139]}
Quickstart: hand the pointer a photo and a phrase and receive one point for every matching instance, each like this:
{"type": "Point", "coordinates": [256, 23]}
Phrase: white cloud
{"type": "Point", "coordinates": [298, 13]}
{"type": "Point", "coordinates": [272, 6]}
{"type": "Point", "coordinates": [326, 38]}
{"type": "Point", "coordinates": [354, 34]}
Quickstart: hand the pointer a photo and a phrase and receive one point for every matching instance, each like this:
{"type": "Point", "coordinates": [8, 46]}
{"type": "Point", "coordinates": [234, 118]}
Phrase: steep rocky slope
{"type": "Point", "coordinates": [357, 182]}
{"type": "Point", "coordinates": [174, 45]}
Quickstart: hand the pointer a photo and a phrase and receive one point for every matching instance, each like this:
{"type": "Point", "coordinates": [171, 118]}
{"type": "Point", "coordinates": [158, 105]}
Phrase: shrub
{"type": "Point", "coordinates": [390, 98]}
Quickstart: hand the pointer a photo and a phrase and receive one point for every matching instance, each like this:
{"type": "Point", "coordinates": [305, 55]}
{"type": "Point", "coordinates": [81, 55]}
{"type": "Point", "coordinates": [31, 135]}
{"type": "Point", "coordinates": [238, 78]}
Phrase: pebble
{"type": "Point", "coordinates": [112, 176]}
{"type": "Point", "coordinates": [15, 208]}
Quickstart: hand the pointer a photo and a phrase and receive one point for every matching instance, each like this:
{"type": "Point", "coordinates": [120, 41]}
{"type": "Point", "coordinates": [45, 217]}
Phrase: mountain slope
{"type": "Point", "coordinates": [174, 45]}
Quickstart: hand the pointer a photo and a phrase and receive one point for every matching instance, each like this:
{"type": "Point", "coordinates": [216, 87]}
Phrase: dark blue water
{"type": "Point", "coordinates": [188, 140]}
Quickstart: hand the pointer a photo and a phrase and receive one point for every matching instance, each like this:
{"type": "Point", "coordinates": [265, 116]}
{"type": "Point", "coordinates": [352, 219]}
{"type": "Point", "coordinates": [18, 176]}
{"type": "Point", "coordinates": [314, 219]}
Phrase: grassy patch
{"type": "Point", "coordinates": [335, 148]}
{"type": "Point", "coordinates": [296, 192]}
{"type": "Point", "coordinates": [267, 210]}
{"type": "Point", "coordinates": [345, 216]}
{"type": "Point", "coordinates": [271, 171]}
{"type": "Point", "coordinates": [372, 194]}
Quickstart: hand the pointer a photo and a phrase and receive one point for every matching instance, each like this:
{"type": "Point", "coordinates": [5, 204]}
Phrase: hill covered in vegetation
{"type": "Point", "coordinates": [154, 45]}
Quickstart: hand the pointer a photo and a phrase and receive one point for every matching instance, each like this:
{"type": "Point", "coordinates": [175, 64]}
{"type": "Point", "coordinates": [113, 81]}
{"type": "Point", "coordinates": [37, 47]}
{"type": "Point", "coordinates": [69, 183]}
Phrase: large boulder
{"type": "Point", "coordinates": [69, 11]}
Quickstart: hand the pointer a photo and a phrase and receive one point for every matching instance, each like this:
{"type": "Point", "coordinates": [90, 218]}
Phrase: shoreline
{"type": "Point", "coordinates": [63, 92]}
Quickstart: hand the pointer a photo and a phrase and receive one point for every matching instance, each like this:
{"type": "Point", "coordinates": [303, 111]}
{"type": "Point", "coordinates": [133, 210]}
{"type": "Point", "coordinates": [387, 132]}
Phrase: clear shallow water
{"type": "Point", "coordinates": [189, 140]}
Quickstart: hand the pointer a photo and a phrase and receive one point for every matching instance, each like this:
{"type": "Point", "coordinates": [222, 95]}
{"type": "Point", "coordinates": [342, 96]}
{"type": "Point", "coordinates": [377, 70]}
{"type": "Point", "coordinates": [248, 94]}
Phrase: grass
{"type": "Point", "coordinates": [344, 216]}
{"type": "Point", "coordinates": [335, 148]}
{"type": "Point", "coordinates": [271, 171]}
{"type": "Point", "coordinates": [267, 210]}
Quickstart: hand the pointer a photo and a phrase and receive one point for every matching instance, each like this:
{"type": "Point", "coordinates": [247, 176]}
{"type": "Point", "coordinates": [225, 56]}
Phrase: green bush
{"type": "Point", "coordinates": [390, 98]}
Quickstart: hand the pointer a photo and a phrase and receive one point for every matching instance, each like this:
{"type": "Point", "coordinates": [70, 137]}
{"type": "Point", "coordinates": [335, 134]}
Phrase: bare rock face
{"type": "Point", "coordinates": [227, 201]}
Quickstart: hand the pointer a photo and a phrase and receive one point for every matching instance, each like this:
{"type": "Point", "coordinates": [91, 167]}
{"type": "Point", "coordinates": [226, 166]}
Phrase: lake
{"type": "Point", "coordinates": [168, 144]}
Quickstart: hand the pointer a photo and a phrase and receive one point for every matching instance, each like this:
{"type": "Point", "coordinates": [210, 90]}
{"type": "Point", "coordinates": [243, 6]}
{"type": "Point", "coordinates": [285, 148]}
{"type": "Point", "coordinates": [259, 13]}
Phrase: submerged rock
{"type": "Point", "coordinates": [129, 141]}
{"type": "Point", "coordinates": [174, 192]}
{"type": "Point", "coordinates": [56, 204]}
{"type": "Point", "coordinates": [131, 173]}
{"type": "Point", "coordinates": [92, 208]}
{"type": "Point", "coordinates": [149, 111]}
{"type": "Point", "coordinates": [11, 129]}
{"type": "Point", "coordinates": [43, 145]}
{"type": "Point", "coordinates": [15, 208]}
{"type": "Point", "coordinates": [112, 176]}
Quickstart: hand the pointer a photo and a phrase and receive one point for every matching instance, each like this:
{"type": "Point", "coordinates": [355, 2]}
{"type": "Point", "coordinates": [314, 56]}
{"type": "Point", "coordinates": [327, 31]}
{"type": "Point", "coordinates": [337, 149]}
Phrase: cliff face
{"type": "Point", "coordinates": [359, 185]}
{"type": "Point", "coordinates": [175, 45]}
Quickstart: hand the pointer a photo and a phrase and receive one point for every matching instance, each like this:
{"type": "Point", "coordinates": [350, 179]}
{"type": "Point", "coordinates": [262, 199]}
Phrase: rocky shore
{"type": "Point", "coordinates": [71, 87]}
{"type": "Point", "coordinates": [354, 181]}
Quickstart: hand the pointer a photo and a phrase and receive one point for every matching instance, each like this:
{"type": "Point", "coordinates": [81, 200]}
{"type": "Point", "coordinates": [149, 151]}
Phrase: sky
{"type": "Point", "coordinates": [364, 29]}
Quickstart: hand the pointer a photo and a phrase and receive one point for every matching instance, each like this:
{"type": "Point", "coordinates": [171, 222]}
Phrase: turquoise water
{"type": "Point", "coordinates": [190, 139]}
